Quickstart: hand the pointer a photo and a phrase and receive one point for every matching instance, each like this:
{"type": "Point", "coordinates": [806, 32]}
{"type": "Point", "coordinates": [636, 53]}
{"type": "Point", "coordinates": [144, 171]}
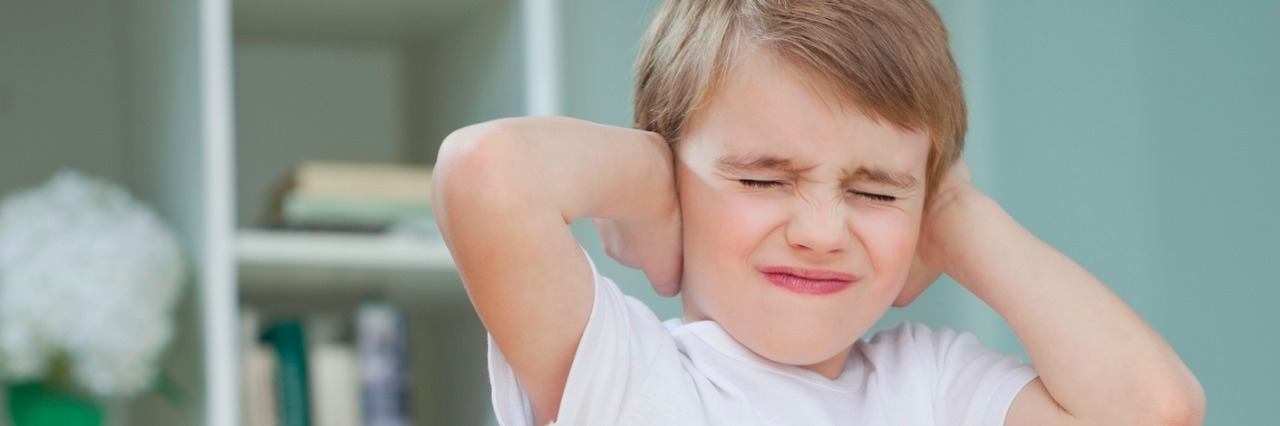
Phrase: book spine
{"type": "Point", "coordinates": [258, 374]}
{"type": "Point", "coordinates": [364, 181]}
{"type": "Point", "coordinates": [381, 336]}
{"type": "Point", "coordinates": [290, 345]}
{"type": "Point", "coordinates": [261, 406]}
{"type": "Point", "coordinates": [336, 380]}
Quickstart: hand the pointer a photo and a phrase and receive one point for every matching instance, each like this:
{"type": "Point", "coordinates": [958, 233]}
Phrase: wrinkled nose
{"type": "Point", "coordinates": [818, 229]}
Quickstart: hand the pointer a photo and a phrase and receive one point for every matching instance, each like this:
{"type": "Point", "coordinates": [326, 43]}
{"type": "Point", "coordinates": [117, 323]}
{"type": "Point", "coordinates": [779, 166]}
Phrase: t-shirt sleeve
{"type": "Point", "coordinates": [970, 384]}
{"type": "Point", "coordinates": [619, 346]}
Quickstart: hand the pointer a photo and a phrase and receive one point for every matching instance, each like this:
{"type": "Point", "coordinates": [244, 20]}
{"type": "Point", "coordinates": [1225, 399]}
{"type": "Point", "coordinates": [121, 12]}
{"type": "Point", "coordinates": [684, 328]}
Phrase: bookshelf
{"type": "Point", "coordinates": [383, 83]}
{"type": "Point", "coordinates": [136, 92]}
{"type": "Point", "coordinates": [199, 107]}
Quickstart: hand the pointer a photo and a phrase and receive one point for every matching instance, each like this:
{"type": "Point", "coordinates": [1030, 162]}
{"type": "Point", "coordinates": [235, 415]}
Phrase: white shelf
{"type": "Point", "coordinates": [340, 250]}
{"type": "Point", "coordinates": [307, 264]}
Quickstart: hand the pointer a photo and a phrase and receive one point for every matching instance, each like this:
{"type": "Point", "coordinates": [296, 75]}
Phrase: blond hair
{"type": "Point", "coordinates": [890, 58]}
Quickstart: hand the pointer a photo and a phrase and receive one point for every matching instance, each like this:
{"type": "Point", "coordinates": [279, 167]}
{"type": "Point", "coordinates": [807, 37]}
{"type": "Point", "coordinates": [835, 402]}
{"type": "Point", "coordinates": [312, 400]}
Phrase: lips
{"type": "Point", "coordinates": [808, 280]}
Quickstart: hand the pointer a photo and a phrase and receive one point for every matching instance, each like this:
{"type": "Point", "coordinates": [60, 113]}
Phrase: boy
{"type": "Point", "coordinates": [796, 172]}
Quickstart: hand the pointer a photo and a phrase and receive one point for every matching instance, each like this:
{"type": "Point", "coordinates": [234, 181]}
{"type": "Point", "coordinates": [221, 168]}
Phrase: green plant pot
{"type": "Point", "coordinates": [37, 404]}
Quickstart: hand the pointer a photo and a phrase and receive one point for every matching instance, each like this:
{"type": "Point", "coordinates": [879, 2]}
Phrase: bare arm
{"type": "Point", "coordinates": [504, 194]}
{"type": "Point", "coordinates": [1099, 362]}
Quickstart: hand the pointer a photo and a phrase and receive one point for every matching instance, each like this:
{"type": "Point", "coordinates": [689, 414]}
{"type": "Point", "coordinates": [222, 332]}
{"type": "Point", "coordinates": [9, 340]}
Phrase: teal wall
{"type": "Point", "coordinates": [1140, 138]}
{"type": "Point", "coordinates": [1213, 98]}
{"type": "Point", "coordinates": [60, 91]}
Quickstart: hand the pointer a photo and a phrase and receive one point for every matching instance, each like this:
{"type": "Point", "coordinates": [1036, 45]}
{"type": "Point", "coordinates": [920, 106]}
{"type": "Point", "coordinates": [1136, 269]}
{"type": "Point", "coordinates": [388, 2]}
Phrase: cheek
{"type": "Point", "coordinates": [738, 222]}
{"type": "Point", "coordinates": [890, 241]}
{"type": "Point", "coordinates": [731, 225]}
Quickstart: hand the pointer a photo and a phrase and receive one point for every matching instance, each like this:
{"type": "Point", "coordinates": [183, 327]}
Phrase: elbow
{"type": "Point", "coordinates": [1189, 411]}
{"type": "Point", "coordinates": [1179, 405]}
{"type": "Point", "coordinates": [471, 150]}
{"type": "Point", "coordinates": [472, 164]}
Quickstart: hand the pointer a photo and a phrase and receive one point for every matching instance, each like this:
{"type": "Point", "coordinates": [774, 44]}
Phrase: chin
{"type": "Point", "coordinates": [800, 347]}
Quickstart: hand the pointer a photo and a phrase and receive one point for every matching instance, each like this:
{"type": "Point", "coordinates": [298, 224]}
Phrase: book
{"type": "Point", "coordinates": [335, 384]}
{"type": "Point", "coordinates": [352, 196]}
{"type": "Point", "coordinates": [258, 405]}
{"type": "Point", "coordinates": [383, 355]}
{"type": "Point", "coordinates": [287, 338]}
{"type": "Point", "coordinates": [380, 182]}
{"type": "Point", "coordinates": [300, 210]}
{"type": "Point", "coordinates": [334, 372]}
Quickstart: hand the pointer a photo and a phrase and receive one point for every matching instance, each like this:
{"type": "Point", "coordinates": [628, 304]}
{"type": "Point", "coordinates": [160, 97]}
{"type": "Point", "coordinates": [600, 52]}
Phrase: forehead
{"type": "Point", "coordinates": [764, 107]}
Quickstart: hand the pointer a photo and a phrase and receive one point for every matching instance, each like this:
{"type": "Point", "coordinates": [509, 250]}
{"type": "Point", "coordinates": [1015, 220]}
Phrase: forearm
{"type": "Point", "coordinates": [1097, 358]}
{"type": "Point", "coordinates": [575, 167]}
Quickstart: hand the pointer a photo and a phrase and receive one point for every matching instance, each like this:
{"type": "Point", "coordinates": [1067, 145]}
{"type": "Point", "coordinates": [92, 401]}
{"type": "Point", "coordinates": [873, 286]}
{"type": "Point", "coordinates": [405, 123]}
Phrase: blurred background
{"type": "Point", "coordinates": [1139, 137]}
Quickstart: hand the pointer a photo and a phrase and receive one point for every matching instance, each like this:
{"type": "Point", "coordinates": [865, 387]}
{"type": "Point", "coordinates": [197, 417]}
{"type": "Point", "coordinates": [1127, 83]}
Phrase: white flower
{"type": "Point", "coordinates": [88, 273]}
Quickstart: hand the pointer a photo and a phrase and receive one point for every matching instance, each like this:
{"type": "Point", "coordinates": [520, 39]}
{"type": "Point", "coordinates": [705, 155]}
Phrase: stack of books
{"type": "Point", "coordinates": [352, 196]}
{"type": "Point", "coordinates": [303, 372]}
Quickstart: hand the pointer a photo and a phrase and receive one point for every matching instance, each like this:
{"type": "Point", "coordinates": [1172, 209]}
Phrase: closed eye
{"type": "Point", "coordinates": [875, 197]}
{"type": "Point", "coordinates": [759, 183]}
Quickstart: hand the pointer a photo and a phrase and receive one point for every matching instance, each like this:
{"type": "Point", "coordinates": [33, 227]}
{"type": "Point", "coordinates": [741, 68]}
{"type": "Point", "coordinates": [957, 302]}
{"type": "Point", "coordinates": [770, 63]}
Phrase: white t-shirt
{"type": "Point", "coordinates": [632, 369]}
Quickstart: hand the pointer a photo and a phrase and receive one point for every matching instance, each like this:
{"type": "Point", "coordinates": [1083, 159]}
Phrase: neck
{"type": "Point", "coordinates": [831, 368]}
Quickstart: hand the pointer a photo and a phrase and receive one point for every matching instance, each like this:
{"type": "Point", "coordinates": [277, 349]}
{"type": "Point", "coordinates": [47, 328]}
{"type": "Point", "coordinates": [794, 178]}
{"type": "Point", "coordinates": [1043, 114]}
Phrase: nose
{"type": "Point", "coordinates": [818, 229]}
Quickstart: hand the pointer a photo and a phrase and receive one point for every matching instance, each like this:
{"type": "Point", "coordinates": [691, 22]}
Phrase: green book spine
{"type": "Point", "coordinates": [291, 349]}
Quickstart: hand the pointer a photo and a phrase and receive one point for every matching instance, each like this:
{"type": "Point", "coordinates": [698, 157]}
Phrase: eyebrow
{"type": "Point", "coordinates": [900, 180]}
{"type": "Point", "coordinates": [759, 162]}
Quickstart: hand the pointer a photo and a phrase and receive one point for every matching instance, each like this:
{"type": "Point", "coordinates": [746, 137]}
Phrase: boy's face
{"type": "Point", "coordinates": [792, 242]}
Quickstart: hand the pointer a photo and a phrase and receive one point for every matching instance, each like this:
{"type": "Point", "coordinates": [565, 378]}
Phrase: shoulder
{"type": "Point", "coordinates": [961, 378]}
{"type": "Point", "coordinates": [916, 350]}
{"type": "Point", "coordinates": [911, 340]}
